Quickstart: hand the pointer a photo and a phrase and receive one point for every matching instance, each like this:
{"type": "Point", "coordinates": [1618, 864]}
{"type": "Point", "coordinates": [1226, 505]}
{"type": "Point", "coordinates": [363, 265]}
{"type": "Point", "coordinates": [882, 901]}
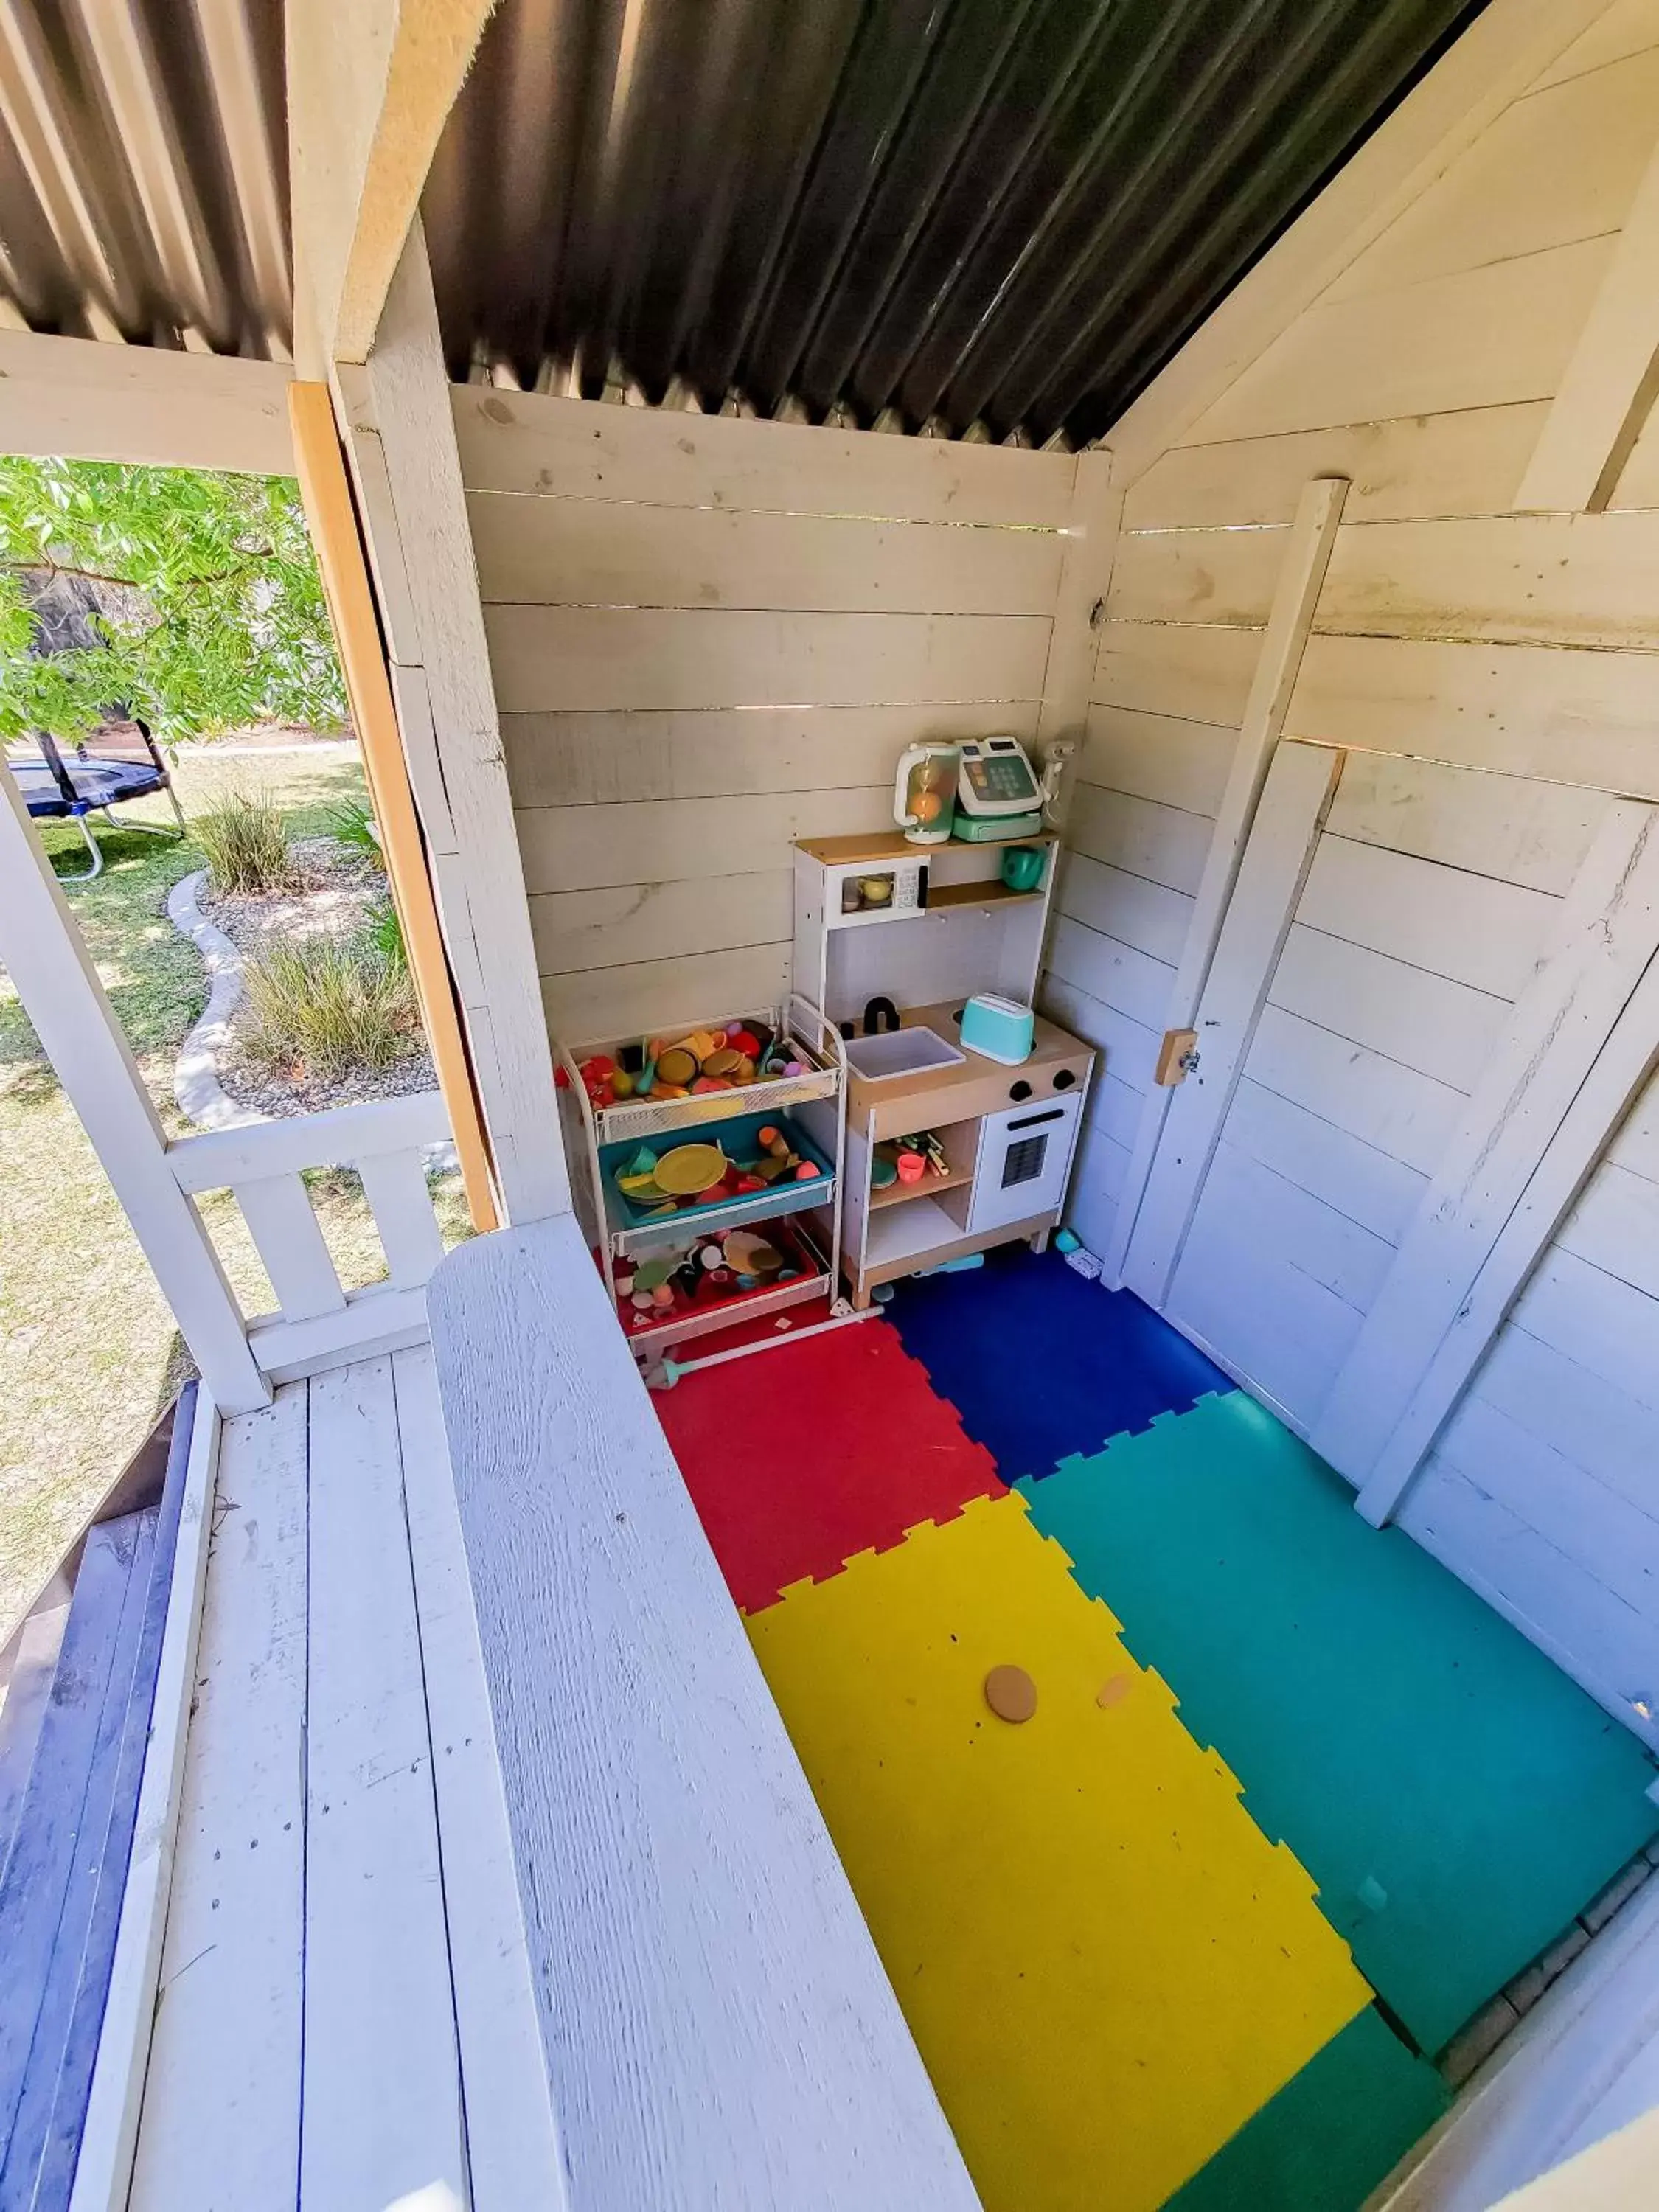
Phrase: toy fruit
{"type": "Point", "coordinates": [749, 1183]}
{"type": "Point", "coordinates": [768, 1137]}
{"type": "Point", "coordinates": [806, 1171]}
{"type": "Point", "coordinates": [621, 1084]}
{"type": "Point", "coordinates": [742, 1041]}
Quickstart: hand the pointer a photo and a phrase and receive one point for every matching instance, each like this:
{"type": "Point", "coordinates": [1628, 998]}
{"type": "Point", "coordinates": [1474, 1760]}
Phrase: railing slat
{"type": "Point", "coordinates": [277, 1210]}
{"type": "Point", "coordinates": [344, 1135]}
{"type": "Point", "coordinates": [395, 1186]}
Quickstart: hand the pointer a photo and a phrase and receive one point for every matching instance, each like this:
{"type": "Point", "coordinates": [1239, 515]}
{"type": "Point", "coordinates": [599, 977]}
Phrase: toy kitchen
{"type": "Point", "coordinates": [922, 946]}
{"type": "Point", "coordinates": [739, 1175]}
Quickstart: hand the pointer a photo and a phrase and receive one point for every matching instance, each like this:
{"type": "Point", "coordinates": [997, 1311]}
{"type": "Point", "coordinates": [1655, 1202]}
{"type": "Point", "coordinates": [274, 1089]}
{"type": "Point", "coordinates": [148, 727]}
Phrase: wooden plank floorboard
{"type": "Point", "coordinates": [512, 2141]}
{"type": "Point", "coordinates": [36, 1886]}
{"type": "Point", "coordinates": [220, 2126]}
{"type": "Point", "coordinates": [381, 2093]}
{"type": "Point", "coordinates": [50, 2092]}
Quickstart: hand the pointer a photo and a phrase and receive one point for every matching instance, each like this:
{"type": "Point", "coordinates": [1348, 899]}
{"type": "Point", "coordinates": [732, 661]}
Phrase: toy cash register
{"type": "Point", "coordinates": [998, 796]}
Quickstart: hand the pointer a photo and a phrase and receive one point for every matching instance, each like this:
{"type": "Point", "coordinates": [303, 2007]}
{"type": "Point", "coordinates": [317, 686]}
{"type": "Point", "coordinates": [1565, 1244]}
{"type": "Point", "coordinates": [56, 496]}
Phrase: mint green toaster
{"type": "Point", "coordinates": [999, 1028]}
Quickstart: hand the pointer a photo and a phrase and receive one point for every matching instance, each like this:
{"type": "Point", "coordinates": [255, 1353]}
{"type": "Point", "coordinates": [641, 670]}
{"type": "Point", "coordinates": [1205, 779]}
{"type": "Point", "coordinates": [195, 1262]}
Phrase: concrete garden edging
{"type": "Point", "coordinates": [201, 1097]}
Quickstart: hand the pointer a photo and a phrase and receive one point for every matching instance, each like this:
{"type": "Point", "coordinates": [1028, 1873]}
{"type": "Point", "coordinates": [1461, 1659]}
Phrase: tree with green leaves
{"type": "Point", "coordinates": [193, 602]}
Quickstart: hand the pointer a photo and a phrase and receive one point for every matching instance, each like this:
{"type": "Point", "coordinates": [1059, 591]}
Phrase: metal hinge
{"type": "Point", "coordinates": [1177, 1057]}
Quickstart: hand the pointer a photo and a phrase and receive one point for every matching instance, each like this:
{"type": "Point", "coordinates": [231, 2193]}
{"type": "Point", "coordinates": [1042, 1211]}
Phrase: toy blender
{"type": "Point", "coordinates": [924, 792]}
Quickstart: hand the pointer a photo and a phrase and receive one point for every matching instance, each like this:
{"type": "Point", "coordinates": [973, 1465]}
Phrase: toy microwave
{"type": "Point", "coordinates": [856, 891]}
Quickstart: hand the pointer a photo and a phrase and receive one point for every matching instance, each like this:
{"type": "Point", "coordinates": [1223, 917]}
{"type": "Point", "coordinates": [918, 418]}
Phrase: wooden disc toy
{"type": "Point", "coordinates": [691, 1170]}
{"type": "Point", "coordinates": [1011, 1694]}
{"type": "Point", "coordinates": [676, 1066]}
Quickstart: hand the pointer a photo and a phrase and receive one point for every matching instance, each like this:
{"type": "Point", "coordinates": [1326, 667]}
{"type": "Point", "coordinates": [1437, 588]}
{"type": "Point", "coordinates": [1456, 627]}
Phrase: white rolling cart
{"type": "Point", "coordinates": [806, 1215]}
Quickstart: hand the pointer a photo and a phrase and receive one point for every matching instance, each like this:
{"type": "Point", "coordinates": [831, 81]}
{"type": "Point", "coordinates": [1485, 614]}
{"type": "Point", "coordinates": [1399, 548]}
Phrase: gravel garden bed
{"type": "Point", "coordinates": [336, 896]}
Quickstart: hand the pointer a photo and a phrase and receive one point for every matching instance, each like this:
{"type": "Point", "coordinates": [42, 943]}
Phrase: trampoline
{"type": "Point", "coordinates": [121, 762]}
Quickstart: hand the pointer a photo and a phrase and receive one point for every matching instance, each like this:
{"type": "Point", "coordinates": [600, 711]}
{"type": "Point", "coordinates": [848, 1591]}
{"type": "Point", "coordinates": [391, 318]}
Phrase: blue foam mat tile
{"type": "Point", "coordinates": [1043, 1366]}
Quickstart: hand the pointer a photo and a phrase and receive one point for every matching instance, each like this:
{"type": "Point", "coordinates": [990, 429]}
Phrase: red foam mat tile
{"type": "Point", "coordinates": [799, 1459]}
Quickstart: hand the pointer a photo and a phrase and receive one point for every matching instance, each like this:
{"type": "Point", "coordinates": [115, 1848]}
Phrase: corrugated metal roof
{"type": "Point", "coordinates": [144, 171]}
{"type": "Point", "coordinates": [1007, 212]}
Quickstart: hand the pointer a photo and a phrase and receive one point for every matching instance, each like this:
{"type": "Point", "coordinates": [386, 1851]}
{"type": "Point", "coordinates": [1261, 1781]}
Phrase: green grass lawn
{"type": "Point", "coordinates": [89, 1353]}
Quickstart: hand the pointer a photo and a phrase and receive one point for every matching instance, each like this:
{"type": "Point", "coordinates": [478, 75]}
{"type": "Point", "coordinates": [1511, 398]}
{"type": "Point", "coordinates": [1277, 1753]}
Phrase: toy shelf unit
{"type": "Point", "coordinates": [764, 1236]}
{"type": "Point", "coordinates": [897, 938]}
{"type": "Point", "coordinates": [880, 917]}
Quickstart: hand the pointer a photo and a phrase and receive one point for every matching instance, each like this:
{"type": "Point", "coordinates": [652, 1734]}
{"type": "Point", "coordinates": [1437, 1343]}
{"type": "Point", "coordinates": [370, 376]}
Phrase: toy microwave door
{"type": "Point", "coordinates": [879, 890]}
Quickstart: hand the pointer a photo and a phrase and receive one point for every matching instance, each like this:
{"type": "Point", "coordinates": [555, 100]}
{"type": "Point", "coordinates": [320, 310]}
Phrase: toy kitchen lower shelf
{"type": "Point", "coordinates": [1007, 1136]}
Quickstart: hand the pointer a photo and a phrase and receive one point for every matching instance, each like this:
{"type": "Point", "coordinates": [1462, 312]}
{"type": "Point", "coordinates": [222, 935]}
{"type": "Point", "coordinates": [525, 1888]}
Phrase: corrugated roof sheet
{"type": "Point", "coordinates": [1008, 212]}
{"type": "Point", "coordinates": [144, 171]}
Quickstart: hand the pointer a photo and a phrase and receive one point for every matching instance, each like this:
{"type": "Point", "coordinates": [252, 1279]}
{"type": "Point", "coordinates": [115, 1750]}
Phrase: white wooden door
{"type": "Point", "coordinates": [1418, 968]}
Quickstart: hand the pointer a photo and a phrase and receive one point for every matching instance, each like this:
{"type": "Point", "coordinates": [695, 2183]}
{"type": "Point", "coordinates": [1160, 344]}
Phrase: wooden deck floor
{"type": "Point", "coordinates": [345, 2017]}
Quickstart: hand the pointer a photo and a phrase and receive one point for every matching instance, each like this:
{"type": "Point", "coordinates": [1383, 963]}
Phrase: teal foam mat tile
{"type": "Point", "coordinates": [1456, 1798]}
{"type": "Point", "coordinates": [1331, 2134]}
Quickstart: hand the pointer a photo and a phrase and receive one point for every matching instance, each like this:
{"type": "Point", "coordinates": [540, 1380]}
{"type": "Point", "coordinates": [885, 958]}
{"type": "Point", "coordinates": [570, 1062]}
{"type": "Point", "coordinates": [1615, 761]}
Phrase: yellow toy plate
{"type": "Point", "coordinates": [691, 1170]}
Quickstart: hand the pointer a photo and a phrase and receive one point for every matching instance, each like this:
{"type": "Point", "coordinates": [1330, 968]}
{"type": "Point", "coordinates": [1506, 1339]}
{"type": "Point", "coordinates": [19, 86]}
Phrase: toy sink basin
{"type": "Point", "coordinates": [900, 1052]}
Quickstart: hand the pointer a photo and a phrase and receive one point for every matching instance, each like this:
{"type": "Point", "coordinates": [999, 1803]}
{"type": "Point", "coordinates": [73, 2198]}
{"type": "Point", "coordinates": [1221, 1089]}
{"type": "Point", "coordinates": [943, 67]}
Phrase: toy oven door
{"type": "Point", "coordinates": [1023, 1160]}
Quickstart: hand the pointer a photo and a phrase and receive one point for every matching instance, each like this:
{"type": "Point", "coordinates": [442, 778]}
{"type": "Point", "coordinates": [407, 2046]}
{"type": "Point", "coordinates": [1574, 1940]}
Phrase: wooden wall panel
{"type": "Point", "coordinates": [597, 659]}
{"type": "Point", "coordinates": [1512, 194]}
{"type": "Point", "coordinates": [713, 752]}
{"type": "Point", "coordinates": [710, 636]}
{"type": "Point", "coordinates": [1483, 337]}
{"type": "Point", "coordinates": [1494, 674]}
{"type": "Point", "coordinates": [1567, 715]}
{"type": "Point", "coordinates": [598, 552]}
{"type": "Point", "coordinates": [1578, 579]}
{"type": "Point", "coordinates": [1468, 462]}
{"type": "Point", "coordinates": [524, 441]}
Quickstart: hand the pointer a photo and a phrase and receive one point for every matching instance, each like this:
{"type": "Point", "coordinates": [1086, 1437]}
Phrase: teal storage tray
{"type": "Point", "coordinates": [736, 1139]}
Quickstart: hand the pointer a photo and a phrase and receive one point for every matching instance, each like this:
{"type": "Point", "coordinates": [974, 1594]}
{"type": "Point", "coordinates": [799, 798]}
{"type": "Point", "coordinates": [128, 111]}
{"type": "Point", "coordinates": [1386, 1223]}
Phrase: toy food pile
{"type": "Point", "coordinates": [657, 1184]}
{"type": "Point", "coordinates": [705, 1061]}
{"type": "Point", "coordinates": [708, 1271]}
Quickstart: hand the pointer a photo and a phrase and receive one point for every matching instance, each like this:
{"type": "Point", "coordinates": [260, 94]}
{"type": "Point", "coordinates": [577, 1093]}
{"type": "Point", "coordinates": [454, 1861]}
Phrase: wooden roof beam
{"type": "Point", "coordinates": [369, 91]}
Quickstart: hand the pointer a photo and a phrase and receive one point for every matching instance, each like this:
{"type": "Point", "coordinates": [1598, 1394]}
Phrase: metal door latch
{"type": "Point", "coordinates": [1177, 1057]}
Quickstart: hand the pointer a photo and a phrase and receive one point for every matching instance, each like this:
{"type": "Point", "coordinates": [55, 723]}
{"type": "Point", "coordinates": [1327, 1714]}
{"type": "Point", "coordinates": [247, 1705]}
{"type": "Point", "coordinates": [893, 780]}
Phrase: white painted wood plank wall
{"type": "Point", "coordinates": [710, 636]}
{"type": "Point", "coordinates": [1495, 674]}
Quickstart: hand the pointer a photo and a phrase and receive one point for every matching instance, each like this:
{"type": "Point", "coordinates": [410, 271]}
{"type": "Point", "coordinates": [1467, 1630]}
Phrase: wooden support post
{"type": "Point", "coordinates": [1306, 556]}
{"type": "Point", "coordinates": [1301, 785]}
{"type": "Point", "coordinates": [1399, 1380]}
{"type": "Point", "coordinates": [345, 579]}
{"type": "Point", "coordinates": [41, 950]}
{"type": "Point", "coordinates": [369, 89]}
{"type": "Point", "coordinates": [1612, 379]}
{"type": "Point", "coordinates": [426, 541]}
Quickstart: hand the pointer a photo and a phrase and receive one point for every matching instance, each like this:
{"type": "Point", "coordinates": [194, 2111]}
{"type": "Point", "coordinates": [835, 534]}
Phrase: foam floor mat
{"type": "Point", "coordinates": [1041, 1364]}
{"type": "Point", "coordinates": [798, 1458]}
{"type": "Point", "coordinates": [1457, 1798]}
{"type": "Point", "coordinates": [1107, 1967]}
{"type": "Point", "coordinates": [1324, 2142]}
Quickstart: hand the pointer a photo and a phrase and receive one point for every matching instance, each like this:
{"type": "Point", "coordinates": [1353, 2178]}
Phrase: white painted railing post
{"type": "Point", "coordinates": [41, 950]}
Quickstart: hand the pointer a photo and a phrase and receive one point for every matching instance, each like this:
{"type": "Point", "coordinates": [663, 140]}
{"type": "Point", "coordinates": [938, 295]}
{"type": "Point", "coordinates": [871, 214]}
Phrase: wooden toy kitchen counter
{"type": "Point", "coordinates": [924, 959]}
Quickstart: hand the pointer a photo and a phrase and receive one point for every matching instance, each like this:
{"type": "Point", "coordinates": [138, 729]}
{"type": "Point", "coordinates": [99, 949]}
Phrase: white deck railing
{"type": "Point", "coordinates": [262, 1165]}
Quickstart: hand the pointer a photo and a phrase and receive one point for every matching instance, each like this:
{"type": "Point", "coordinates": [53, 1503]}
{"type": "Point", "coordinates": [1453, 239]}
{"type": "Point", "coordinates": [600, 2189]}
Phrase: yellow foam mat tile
{"type": "Point", "coordinates": [1107, 1967]}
